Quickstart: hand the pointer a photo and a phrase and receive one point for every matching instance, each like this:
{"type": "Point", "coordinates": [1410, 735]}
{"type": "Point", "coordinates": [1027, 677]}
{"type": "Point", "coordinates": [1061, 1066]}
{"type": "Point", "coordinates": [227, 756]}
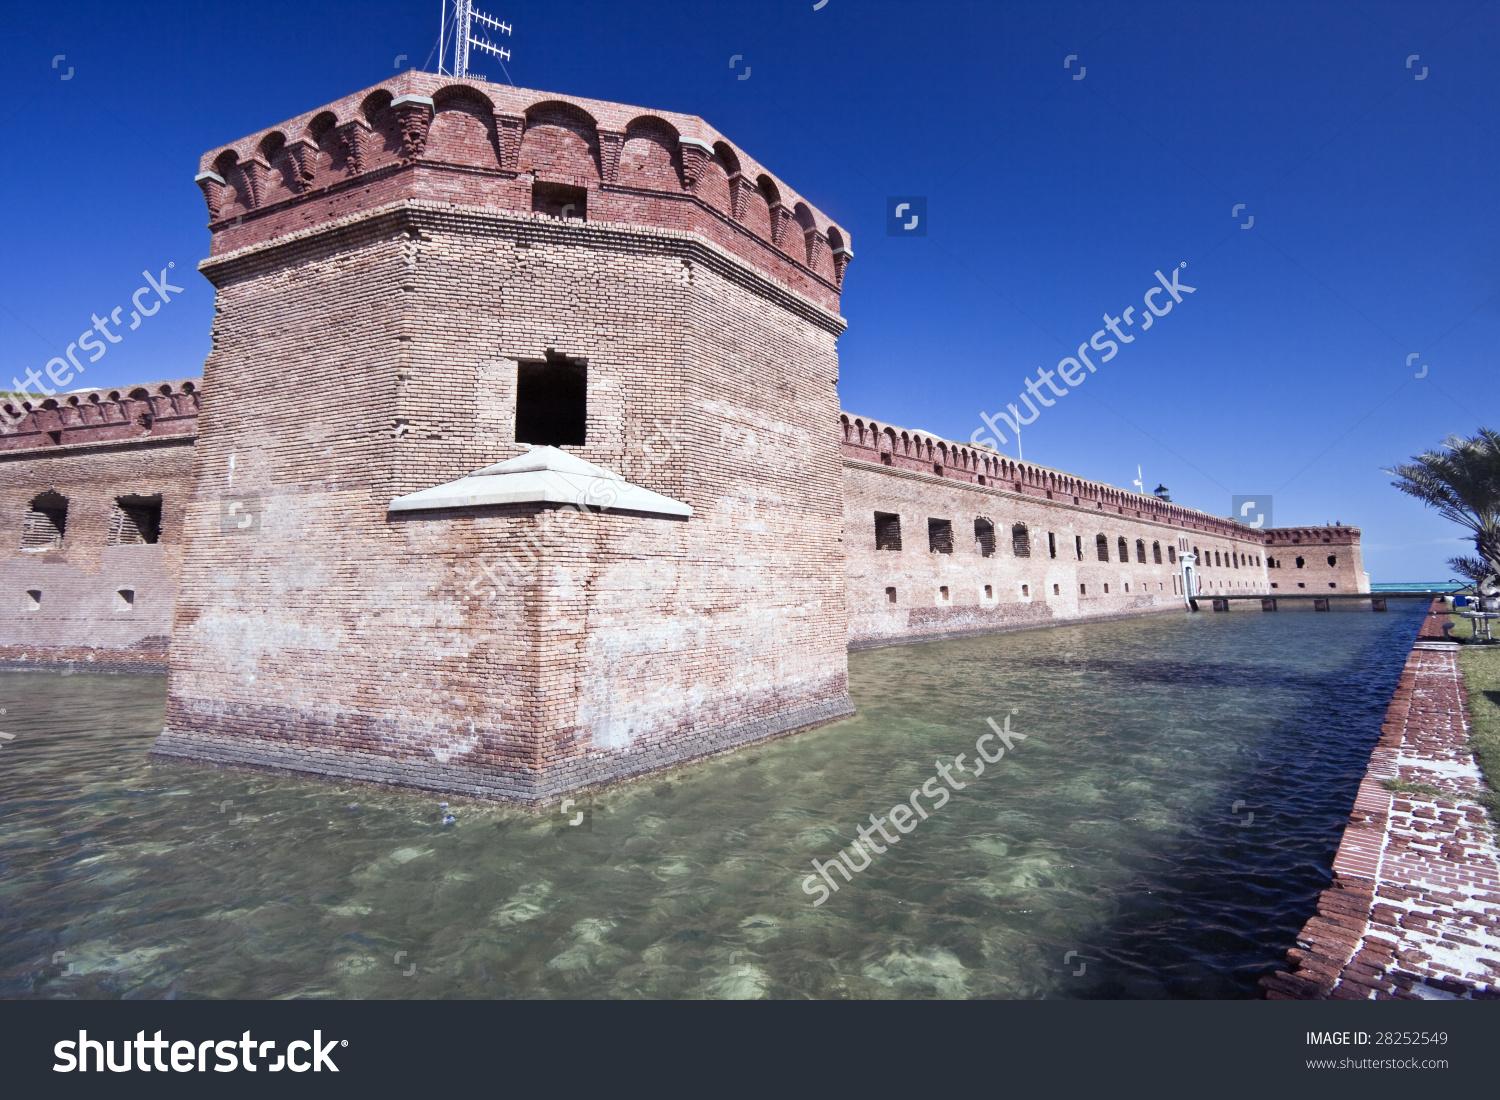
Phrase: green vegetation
{"type": "Point", "coordinates": [1462, 481]}
{"type": "Point", "coordinates": [1480, 666]}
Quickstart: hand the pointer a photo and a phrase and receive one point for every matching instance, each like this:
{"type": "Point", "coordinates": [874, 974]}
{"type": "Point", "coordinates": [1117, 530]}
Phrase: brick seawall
{"type": "Point", "coordinates": [1414, 908]}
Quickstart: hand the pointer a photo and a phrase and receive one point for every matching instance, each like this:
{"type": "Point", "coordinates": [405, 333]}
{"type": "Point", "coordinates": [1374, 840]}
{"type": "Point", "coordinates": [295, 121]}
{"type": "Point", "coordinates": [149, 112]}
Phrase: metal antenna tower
{"type": "Point", "coordinates": [464, 38]}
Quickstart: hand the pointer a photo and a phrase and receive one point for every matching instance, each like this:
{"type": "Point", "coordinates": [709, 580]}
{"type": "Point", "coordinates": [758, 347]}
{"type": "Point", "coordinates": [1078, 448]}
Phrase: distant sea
{"type": "Point", "coordinates": [1420, 586]}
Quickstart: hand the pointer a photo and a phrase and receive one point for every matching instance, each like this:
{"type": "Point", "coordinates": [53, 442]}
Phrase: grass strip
{"type": "Point", "coordinates": [1480, 666]}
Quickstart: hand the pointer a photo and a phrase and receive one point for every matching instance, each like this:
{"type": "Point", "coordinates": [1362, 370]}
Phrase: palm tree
{"type": "Point", "coordinates": [1462, 481]}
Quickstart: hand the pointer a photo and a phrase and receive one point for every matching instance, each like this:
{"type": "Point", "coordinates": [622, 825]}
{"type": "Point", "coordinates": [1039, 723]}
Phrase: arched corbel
{"type": "Point", "coordinates": [696, 156]}
{"type": "Point", "coordinates": [213, 187]}
{"type": "Point", "coordinates": [304, 153]}
{"type": "Point", "coordinates": [611, 143]}
{"type": "Point", "coordinates": [415, 113]}
{"type": "Point", "coordinates": [508, 131]}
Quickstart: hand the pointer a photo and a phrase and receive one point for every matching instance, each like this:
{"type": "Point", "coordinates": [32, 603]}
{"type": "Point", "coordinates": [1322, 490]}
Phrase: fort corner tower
{"type": "Point", "coordinates": [437, 277]}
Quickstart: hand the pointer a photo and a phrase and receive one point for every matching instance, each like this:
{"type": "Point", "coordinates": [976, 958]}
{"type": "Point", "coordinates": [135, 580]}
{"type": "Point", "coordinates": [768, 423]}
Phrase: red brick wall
{"type": "Point", "coordinates": [895, 471]}
{"type": "Point", "coordinates": [482, 144]}
{"type": "Point", "coordinates": [1316, 576]}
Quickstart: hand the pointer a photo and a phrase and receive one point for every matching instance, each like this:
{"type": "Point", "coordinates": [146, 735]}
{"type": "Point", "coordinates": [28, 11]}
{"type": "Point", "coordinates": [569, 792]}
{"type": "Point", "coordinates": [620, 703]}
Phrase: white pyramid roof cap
{"type": "Point", "coordinates": [543, 475]}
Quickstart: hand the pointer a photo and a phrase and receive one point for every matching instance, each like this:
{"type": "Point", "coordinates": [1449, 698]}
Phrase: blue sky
{"type": "Point", "coordinates": [1050, 200]}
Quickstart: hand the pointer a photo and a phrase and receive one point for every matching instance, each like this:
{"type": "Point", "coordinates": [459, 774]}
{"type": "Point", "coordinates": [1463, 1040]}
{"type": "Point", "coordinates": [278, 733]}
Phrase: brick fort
{"type": "Point", "coordinates": [517, 466]}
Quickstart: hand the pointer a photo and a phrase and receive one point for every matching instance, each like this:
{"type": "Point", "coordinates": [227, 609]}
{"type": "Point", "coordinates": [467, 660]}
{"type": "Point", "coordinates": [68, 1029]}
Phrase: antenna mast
{"type": "Point", "coordinates": [464, 38]}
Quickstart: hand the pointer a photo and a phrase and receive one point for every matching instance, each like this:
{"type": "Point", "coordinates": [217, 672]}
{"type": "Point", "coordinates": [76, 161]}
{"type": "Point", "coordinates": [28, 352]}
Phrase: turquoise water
{"type": "Point", "coordinates": [1119, 831]}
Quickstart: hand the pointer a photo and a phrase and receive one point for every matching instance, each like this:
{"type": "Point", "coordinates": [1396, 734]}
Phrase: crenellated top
{"type": "Point", "coordinates": [921, 452]}
{"type": "Point", "coordinates": [420, 135]}
{"type": "Point", "coordinates": [1311, 536]}
{"type": "Point", "coordinates": [127, 414]}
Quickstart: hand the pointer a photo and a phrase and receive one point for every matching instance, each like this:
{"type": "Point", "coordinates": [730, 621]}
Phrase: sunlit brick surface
{"type": "Point", "coordinates": [1414, 909]}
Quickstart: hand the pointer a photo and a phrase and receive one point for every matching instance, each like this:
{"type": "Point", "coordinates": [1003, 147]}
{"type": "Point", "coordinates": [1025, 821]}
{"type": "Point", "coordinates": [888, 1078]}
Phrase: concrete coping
{"type": "Point", "coordinates": [201, 176]}
{"type": "Point", "coordinates": [543, 475]}
{"type": "Point", "coordinates": [699, 142]}
{"type": "Point", "coordinates": [419, 100]}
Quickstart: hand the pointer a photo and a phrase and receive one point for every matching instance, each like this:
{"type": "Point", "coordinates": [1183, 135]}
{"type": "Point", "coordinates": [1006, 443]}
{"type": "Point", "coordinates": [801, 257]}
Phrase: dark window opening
{"type": "Point", "coordinates": [1124, 548]}
{"type": "Point", "coordinates": [981, 479]}
{"type": "Point", "coordinates": [1083, 590]}
{"type": "Point", "coordinates": [1172, 554]}
{"type": "Point", "coordinates": [1026, 590]}
{"type": "Point", "coordinates": [45, 523]}
{"type": "Point", "coordinates": [937, 469]}
{"type": "Point", "coordinates": [885, 457]}
{"type": "Point", "coordinates": [1101, 546]}
{"type": "Point", "coordinates": [1056, 590]}
{"type": "Point", "coordinates": [984, 534]}
{"type": "Point", "coordinates": [890, 595]}
{"type": "Point", "coordinates": [1156, 553]}
{"type": "Point", "coordinates": [135, 520]}
{"type": "Point", "coordinates": [989, 592]}
{"type": "Point", "coordinates": [1140, 552]}
{"type": "Point", "coordinates": [1217, 561]}
{"type": "Point", "coordinates": [1300, 563]}
{"type": "Point", "coordinates": [1333, 559]}
{"type": "Point", "coordinates": [558, 200]}
{"type": "Point", "coordinates": [1078, 545]}
{"type": "Point", "coordinates": [1051, 545]}
{"type": "Point", "coordinates": [33, 599]}
{"type": "Point", "coordinates": [887, 531]}
{"type": "Point", "coordinates": [125, 599]}
{"type": "Point", "coordinates": [944, 591]}
{"type": "Point", "coordinates": [940, 538]}
{"type": "Point", "coordinates": [552, 402]}
{"type": "Point", "coordinates": [1020, 541]}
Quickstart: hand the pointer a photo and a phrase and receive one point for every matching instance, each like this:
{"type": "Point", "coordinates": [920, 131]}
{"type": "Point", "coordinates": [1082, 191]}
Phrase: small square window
{"type": "Point", "coordinates": [1056, 590]}
{"type": "Point", "coordinates": [1083, 590]}
{"type": "Point", "coordinates": [552, 402]}
{"type": "Point", "coordinates": [559, 200]}
{"type": "Point", "coordinates": [1106, 590]}
{"type": "Point", "coordinates": [124, 599]}
{"type": "Point", "coordinates": [33, 599]}
{"type": "Point", "coordinates": [887, 531]}
{"type": "Point", "coordinates": [989, 592]}
{"type": "Point", "coordinates": [890, 595]}
{"type": "Point", "coordinates": [1026, 590]}
{"type": "Point", "coordinates": [943, 592]}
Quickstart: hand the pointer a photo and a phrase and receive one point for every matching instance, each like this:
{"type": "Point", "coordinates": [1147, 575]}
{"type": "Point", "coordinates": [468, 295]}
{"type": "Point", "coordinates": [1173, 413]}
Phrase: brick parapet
{"type": "Point", "coordinates": [161, 410]}
{"type": "Point", "coordinates": [424, 136]}
{"type": "Point", "coordinates": [898, 448]}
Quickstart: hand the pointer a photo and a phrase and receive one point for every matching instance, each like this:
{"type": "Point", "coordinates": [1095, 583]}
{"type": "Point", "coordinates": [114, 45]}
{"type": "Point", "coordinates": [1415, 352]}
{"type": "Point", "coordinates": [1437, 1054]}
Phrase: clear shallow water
{"type": "Point", "coordinates": [1111, 832]}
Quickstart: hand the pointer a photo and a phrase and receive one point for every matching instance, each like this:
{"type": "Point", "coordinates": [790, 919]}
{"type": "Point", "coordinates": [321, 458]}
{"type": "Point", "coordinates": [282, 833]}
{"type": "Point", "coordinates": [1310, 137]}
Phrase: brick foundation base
{"type": "Point", "coordinates": [595, 770]}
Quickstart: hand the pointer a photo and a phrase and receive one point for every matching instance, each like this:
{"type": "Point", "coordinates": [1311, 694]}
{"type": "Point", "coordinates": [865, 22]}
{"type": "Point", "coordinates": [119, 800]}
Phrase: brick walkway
{"type": "Point", "coordinates": [1414, 909]}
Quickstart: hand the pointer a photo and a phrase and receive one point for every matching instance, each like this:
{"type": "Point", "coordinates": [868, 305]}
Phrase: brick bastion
{"type": "Point", "coordinates": [427, 279]}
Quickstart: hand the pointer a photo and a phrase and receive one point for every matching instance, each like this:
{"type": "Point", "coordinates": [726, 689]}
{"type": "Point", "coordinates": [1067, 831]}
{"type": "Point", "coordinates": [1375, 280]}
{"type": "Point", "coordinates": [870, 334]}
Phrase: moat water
{"type": "Point", "coordinates": [1169, 821]}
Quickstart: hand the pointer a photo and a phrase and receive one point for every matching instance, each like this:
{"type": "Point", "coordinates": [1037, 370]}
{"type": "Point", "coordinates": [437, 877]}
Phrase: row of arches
{"type": "Point", "coordinates": [887, 444]}
{"type": "Point", "coordinates": [554, 140]}
{"type": "Point", "coordinates": [140, 405]}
